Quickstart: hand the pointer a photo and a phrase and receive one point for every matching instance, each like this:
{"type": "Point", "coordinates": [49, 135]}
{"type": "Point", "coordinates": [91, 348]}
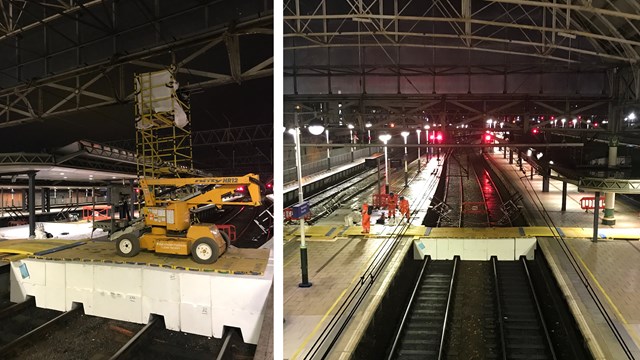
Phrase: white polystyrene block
{"type": "Point", "coordinates": [244, 306]}
{"type": "Point", "coordinates": [526, 247]}
{"type": "Point", "coordinates": [55, 292]}
{"type": "Point", "coordinates": [501, 248]}
{"type": "Point", "coordinates": [419, 249]}
{"type": "Point", "coordinates": [196, 319]}
{"type": "Point", "coordinates": [118, 293]}
{"type": "Point", "coordinates": [195, 289]}
{"type": "Point", "coordinates": [17, 291]}
{"type": "Point", "coordinates": [474, 249]}
{"type": "Point", "coordinates": [161, 296]}
{"type": "Point", "coordinates": [37, 272]}
{"type": "Point", "coordinates": [431, 247]}
{"type": "Point", "coordinates": [79, 287]}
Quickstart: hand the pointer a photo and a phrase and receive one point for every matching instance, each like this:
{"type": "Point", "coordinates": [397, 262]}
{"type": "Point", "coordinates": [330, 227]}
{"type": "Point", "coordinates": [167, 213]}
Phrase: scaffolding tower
{"type": "Point", "coordinates": [163, 126]}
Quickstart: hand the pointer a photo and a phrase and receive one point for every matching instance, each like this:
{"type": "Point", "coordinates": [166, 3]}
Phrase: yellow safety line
{"type": "Point", "coordinates": [317, 327]}
{"type": "Point", "coordinates": [615, 308]}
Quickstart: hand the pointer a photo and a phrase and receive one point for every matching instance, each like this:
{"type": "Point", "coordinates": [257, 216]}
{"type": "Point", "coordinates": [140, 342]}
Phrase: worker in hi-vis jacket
{"type": "Point", "coordinates": [404, 207]}
{"type": "Point", "coordinates": [366, 219]}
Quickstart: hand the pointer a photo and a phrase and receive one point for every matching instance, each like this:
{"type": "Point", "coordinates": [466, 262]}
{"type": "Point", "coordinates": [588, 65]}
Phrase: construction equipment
{"type": "Point", "coordinates": [167, 219]}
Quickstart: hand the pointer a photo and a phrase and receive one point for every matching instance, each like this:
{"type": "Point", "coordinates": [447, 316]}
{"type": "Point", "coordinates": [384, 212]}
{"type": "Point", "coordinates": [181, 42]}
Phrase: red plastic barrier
{"type": "Point", "coordinates": [380, 200]}
{"type": "Point", "coordinates": [589, 203]}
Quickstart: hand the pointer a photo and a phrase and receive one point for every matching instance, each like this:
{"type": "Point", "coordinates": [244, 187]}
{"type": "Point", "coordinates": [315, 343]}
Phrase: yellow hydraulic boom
{"type": "Point", "coordinates": [168, 221]}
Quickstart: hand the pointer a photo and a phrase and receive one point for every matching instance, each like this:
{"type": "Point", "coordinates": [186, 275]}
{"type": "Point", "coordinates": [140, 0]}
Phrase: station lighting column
{"type": "Point", "coordinates": [427, 127]}
{"type": "Point", "coordinates": [328, 150]}
{"type": "Point", "coordinates": [385, 138]}
{"type": "Point", "coordinates": [418, 131]}
{"type": "Point", "coordinates": [351, 136]}
{"type": "Point", "coordinates": [405, 134]}
{"type": "Point", "coordinates": [610, 197]}
{"type": "Point", "coordinates": [315, 129]}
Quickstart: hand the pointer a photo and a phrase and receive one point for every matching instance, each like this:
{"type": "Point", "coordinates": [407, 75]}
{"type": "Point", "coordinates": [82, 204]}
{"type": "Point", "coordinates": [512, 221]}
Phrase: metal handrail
{"type": "Point", "coordinates": [427, 260]}
{"type": "Point", "coordinates": [538, 308]}
{"type": "Point", "coordinates": [446, 312]}
{"type": "Point", "coordinates": [503, 345]}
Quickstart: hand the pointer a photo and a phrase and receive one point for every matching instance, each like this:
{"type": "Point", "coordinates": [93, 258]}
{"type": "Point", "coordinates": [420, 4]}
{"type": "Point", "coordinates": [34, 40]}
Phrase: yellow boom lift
{"type": "Point", "coordinates": [167, 220]}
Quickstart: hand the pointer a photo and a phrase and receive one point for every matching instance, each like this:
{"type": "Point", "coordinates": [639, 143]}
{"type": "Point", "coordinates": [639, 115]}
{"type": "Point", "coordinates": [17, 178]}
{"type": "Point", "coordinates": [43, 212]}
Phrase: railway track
{"type": "Point", "coordinates": [492, 309]}
{"type": "Point", "coordinates": [523, 331]}
{"type": "Point", "coordinates": [423, 327]}
{"type": "Point", "coordinates": [27, 332]}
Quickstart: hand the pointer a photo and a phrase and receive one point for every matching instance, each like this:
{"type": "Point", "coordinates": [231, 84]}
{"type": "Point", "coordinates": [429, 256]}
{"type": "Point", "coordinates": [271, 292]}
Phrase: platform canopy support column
{"type": "Point", "coordinates": [32, 203]}
{"type": "Point", "coordinates": [545, 179]}
{"type": "Point", "coordinates": [596, 214]}
{"type": "Point", "coordinates": [45, 194]}
{"type": "Point", "coordinates": [609, 197]}
{"type": "Point", "coordinates": [564, 196]}
{"type": "Point", "coordinates": [510, 156]}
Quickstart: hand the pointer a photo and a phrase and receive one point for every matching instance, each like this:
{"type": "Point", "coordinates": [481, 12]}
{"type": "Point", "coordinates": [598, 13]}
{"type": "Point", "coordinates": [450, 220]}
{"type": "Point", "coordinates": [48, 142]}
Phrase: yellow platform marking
{"type": "Point", "coordinates": [234, 261]}
{"type": "Point", "coordinates": [320, 231]}
{"type": "Point", "coordinates": [29, 247]}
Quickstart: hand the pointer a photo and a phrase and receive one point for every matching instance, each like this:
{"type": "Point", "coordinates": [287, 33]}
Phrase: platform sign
{"type": "Point", "coordinates": [300, 210]}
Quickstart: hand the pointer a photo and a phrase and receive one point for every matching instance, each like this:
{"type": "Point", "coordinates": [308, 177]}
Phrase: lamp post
{"type": "Point", "coordinates": [405, 134]}
{"type": "Point", "coordinates": [427, 127]}
{"type": "Point", "coordinates": [328, 150]}
{"type": "Point", "coordinates": [418, 131]}
{"type": "Point", "coordinates": [368, 126]}
{"type": "Point", "coordinates": [351, 136]}
{"type": "Point", "coordinates": [315, 128]}
{"type": "Point", "coordinates": [385, 138]}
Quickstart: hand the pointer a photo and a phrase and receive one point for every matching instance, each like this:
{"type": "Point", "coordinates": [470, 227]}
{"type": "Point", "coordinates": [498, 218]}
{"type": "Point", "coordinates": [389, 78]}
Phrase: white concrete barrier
{"type": "Point", "coordinates": [194, 302]}
{"type": "Point", "coordinates": [475, 249]}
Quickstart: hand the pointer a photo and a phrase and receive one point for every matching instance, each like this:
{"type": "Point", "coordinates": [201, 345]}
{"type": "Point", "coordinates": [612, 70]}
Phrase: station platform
{"type": "Point", "coordinates": [603, 272]}
{"type": "Point", "coordinates": [337, 261]}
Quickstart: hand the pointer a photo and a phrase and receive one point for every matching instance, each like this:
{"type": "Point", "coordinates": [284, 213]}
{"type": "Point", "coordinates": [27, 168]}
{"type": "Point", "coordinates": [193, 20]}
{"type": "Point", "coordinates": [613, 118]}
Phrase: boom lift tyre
{"type": "Point", "coordinates": [205, 251]}
{"type": "Point", "coordinates": [128, 245]}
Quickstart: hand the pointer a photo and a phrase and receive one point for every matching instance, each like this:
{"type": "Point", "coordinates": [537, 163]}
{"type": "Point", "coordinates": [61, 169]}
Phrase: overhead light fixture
{"type": "Point", "coordinates": [362, 19]}
{"type": "Point", "coordinates": [566, 35]}
{"type": "Point", "coordinates": [315, 127]}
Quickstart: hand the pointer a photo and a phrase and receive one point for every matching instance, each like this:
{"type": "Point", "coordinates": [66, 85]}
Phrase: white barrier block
{"type": "Point", "coordinates": [248, 296]}
{"type": "Point", "coordinates": [501, 248]}
{"type": "Point", "coordinates": [195, 304]}
{"type": "Point", "coordinates": [117, 293]}
{"type": "Point", "coordinates": [526, 247]}
{"type": "Point", "coordinates": [161, 296]}
{"type": "Point", "coordinates": [79, 286]}
{"type": "Point", "coordinates": [474, 249]}
{"type": "Point", "coordinates": [54, 291]}
{"type": "Point", "coordinates": [17, 287]}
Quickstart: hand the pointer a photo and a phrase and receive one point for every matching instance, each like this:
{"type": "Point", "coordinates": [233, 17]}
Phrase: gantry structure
{"type": "Point", "coordinates": [66, 57]}
{"type": "Point", "coordinates": [463, 61]}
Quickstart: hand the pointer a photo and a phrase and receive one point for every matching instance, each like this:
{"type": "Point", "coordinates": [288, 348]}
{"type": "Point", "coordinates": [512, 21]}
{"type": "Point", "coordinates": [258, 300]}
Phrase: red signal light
{"type": "Point", "coordinates": [487, 138]}
{"type": "Point", "coordinates": [432, 137]}
{"type": "Point", "coordinates": [439, 137]}
{"type": "Point", "coordinates": [535, 130]}
{"type": "Point", "coordinates": [269, 185]}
